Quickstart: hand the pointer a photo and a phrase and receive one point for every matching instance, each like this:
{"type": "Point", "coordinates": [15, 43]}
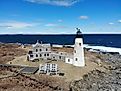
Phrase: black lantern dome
{"type": "Point", "coordinates": [78, 33]}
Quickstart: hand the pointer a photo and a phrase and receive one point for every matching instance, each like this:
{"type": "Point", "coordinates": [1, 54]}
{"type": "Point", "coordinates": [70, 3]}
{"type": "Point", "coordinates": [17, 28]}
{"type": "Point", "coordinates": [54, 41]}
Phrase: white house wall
{"type": "Point", "coordinates": [56, 56]}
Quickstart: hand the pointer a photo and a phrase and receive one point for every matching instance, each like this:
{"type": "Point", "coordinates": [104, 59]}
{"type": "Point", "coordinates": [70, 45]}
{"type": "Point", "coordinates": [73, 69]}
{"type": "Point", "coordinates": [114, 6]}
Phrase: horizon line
{"type": "Point", "coordinates": [53, 33]}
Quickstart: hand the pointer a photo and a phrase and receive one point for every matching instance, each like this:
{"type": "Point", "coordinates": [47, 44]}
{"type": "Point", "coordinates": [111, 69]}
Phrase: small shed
{"type": "Point", "coordinates": [69, 59]}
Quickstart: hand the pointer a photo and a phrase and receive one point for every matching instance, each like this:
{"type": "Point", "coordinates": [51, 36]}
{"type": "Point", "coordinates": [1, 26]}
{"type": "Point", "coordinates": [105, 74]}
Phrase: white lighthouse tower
{"type": "Point", "coordinates": [78, 50]}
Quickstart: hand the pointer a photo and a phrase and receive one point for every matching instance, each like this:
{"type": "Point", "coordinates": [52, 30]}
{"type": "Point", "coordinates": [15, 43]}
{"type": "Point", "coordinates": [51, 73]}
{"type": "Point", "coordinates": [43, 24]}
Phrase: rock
{"type": "Point", "coordinates": [101, 81]}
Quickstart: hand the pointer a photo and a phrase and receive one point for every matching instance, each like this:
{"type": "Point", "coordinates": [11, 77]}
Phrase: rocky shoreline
{"type": "Point", "coordinates": [98, 80]}
{"type": "Point", "coordinates": [106, 79]}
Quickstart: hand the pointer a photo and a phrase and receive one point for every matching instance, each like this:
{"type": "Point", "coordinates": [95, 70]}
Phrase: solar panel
{"type": "Point", "coordinates": [30, 70]}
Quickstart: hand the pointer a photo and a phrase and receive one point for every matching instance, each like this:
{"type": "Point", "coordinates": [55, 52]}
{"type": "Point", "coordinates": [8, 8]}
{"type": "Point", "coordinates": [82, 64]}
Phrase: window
{"type": "Point", "coordinates": [76, 59]}
{"type": "Point", "coordinates": [53, 69]}
{"type": "Point", "coordinates": [40, 50]}
{"type": "Point", "coordinates": [31, 55]}
{"type": "Point", "coordinates": [40, 55]}
{"type": "Point", "coordinates": [48, 65]}
{"type": "Point", "coordinates": [68, 60]}
{"type": "Point", "coordinates": [47, 54]}
{"type": "Point", "coordinates": [48, 70]}
{"type": "Point", "coordinates": [79, 44]}
{"type": "Point", "coordinates": [46, 49]}
{"type": "Point", "coordinates": [59, 57]}
{"type": "Point", "coordinates": [30, 52]}
{"type": "Point", "coordinates": [36, 50]}
{"type": "Point", "coordinates": [53, 57]}
{"type": "Point", "coordinates": [75, 51]}
{"type": "Point", "coordinates": [36, 55]}
{"type": "Point", "coordinates": [53, 65]}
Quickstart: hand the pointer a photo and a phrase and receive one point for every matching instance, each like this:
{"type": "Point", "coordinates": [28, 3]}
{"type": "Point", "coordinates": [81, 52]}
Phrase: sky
{"type": "Point", "coordinates": [59, 16]}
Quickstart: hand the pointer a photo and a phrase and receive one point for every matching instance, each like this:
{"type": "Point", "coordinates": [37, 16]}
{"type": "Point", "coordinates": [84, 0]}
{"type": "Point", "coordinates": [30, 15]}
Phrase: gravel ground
{"type": "Point", "coordinates": [9, 51]}
{"type": "Point", "coordinates": [101, 73]}
{"type": "Point", "coordinates": [98, 80]}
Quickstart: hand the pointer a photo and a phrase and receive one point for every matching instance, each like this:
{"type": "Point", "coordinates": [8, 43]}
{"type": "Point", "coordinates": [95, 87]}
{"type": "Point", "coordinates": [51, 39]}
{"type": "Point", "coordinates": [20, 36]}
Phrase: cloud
{"type": "Point", "coordinates": [57, 26]}
{"type": "Point", "coordinates": [15, 15]}
{"type": "Point", "coordinates": [60, 20]}
{"type": "Point", "coordinates": [50, 25]}
{"type": "Point", "coordinates": [62, 27]}
{"type": "Point", "coordinates": [5, 26]}
{"type": "Point", "coordinates": [111, 23]}
{"type": "Point", "coordinates": [15, 24]}
{"type": "Point", "coordinates": [55, 2]}
{"type": "Point", "coordinates": [84, 17]}
{"type": "Point", "coordinates": [119, 21]}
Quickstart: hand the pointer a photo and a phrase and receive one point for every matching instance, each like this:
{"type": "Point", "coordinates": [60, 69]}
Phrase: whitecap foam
{"type": "Point", "coordinates": [105, 49]}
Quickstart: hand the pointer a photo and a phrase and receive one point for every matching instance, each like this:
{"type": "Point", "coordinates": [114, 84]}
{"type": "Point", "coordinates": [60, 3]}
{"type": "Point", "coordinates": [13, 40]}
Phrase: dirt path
{"type": "Point", "coordinates": [71, 72]}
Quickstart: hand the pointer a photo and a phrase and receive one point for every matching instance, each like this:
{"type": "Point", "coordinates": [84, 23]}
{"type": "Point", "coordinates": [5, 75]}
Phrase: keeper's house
{"type": "Point", "coordinates": [44, 52]}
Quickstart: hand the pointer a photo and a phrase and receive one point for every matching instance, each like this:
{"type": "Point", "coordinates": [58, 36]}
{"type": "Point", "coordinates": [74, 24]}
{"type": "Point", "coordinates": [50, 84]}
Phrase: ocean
{"type": "Point", "coordinates": [108, 40]}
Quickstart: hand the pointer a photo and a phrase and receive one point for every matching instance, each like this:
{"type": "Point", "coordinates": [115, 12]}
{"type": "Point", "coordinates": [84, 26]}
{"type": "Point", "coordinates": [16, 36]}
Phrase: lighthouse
{"type": "Point", "coordinates": [78, 59]}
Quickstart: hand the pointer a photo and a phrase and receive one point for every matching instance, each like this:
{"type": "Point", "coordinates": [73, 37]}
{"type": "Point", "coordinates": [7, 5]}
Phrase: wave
{"type": "Point", "coordinates": [103, 49]}
{"type": "Point", "coordinates": [96, 48]}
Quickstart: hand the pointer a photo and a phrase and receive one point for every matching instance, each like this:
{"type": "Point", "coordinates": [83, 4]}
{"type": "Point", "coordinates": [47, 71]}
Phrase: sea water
{"type": "Point", "coordinates": [109, 40]}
